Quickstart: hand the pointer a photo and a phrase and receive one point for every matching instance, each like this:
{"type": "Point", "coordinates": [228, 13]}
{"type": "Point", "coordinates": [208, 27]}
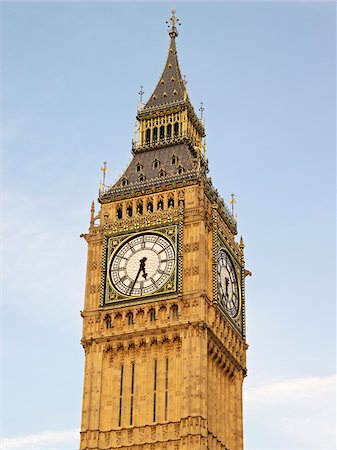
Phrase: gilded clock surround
{"type": "Point", "coordinates": [164, 371]}
{"type": "Point", "coordinates": [113, 243]}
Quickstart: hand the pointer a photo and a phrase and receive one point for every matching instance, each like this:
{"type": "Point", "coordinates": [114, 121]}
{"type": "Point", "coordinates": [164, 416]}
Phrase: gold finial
{"type": "Point", "coordinates": [174, 20]}
{"type": "Point", "coordinates": [242, 245]}
{"type": "Point", "coordinates": [104, 169]}
{"type": "Point", "coordinates": [232, 201]}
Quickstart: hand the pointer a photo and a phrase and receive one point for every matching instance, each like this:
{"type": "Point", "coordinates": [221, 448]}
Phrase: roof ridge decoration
{"type": "Point", "coordinates": [171, 88]}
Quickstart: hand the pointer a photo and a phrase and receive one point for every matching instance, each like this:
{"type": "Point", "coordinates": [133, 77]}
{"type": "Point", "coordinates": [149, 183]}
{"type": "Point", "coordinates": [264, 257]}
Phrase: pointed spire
{"type": "Point", "coordinates": [171, 86]}
{"type": "Point", "coordinates": [242, 245]}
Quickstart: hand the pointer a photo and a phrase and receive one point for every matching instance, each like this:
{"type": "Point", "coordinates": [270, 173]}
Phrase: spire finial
{"type": "Point", "coordinates": [104, 169]}
{"type": "Point", "coordinates": [174, 20]}
{"type": "Point", "coordinates": [232, 201]}
{"type": "Point", "coordinates": [201, 109]}
{"type": "Point", "coordinates": [141, 92]}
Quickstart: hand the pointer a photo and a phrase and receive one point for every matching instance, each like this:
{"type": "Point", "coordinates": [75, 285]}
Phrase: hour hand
{"type": "Point", "coordinates": [142, 267]}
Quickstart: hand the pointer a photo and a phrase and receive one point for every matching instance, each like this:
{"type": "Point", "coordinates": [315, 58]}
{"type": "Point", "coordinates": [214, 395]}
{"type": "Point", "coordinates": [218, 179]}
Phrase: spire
{"type": "Point", "coordinates": [171, 86]}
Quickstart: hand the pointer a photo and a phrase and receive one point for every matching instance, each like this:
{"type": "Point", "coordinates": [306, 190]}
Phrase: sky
{"type": "Point", "coordinates": [70, 77]}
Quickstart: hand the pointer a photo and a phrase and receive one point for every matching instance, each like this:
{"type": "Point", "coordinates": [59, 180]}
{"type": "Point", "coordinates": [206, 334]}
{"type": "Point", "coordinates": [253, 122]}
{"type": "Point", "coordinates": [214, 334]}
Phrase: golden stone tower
{"type": "Point", "coordinates": [164, 310]}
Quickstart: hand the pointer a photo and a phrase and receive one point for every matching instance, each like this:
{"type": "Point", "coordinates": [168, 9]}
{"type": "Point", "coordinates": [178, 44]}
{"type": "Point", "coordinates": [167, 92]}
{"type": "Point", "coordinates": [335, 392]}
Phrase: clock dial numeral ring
{"type": "Point", "coordinates": [142, 264]}
{"type": "Point", "coordinates": [227, 284]}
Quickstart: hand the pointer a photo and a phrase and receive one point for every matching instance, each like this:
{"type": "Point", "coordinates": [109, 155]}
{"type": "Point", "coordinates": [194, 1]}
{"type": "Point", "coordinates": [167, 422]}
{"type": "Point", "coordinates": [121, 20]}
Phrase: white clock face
{"type": "Point", "coordinates": [142, 265]}
{"type": "Point", "coordinates": [227, 284]}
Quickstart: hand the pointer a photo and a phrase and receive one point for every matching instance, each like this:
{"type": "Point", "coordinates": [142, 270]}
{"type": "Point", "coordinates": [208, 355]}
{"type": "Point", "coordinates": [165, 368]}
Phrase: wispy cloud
{"type": "Point", "coordinates": [301, 411]}
{"type": "Point", "coordinates": [51, 440]}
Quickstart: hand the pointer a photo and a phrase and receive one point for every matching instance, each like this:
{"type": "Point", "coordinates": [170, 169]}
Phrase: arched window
{"type": "Point", "coordinates": [108, 321]}
{"type": "Point", "coordinates": [162, 173]}
{"type": "Point", "coordinates": [119, 213]}
{"type": "Point", "coordinates": [155, 134]}
{"type": "Point", "coordinates": [180, 170]}
{"type": "Point", "coordinates": [125, 182]}
{"type": "Point", "coordinates": [140, 208]}
{"type": "Point", "coordinates": [142, 178]}
{"type": "Point", "coordinates": [139, 167]}
{"type": "Point", "coordinates": [169, 131]}
{"type": "Point", "coordinates": [174, 160]}
{"type": "Point", "coordinates": [129, 318]}
{"type": "Point", "coordinates": [174, 311]}
{"type": "Point", "coordinates": [162, 132]}
{"type": "Point", "coordinates": [148, 136]}
{"type": "Point", "coordinates": [160, 205]}
{"type": "Point", "coordinates": [156, 164]}
{"type": "Point", "coordinates": [152, 314]}
{"type": "Point", "coordinates": [171, 202]}
{"type": "Point", "coordinates": [149, 206]}
{"type": "Point", "coordinates": [129, 211]}
{"type": "Point", "coordinates": [176, 128]}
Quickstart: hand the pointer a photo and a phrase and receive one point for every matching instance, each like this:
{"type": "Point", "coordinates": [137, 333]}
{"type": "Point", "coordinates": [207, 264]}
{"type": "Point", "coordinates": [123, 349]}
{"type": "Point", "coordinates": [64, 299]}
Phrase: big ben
{"type": "Point", "coordinates": [164, 310]}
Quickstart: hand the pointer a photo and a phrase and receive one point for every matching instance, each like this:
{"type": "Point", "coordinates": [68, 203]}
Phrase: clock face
{"type": "Point", "coordinates": [142, 265]}
{"type": "Point", "coordinates": [227, 284]}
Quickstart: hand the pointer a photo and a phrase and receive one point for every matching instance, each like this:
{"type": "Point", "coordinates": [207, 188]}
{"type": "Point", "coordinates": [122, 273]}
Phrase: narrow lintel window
{"type": "Point", "coordinates": [148, 135]}
{"type": "Point", "coordinates": [129, 211]}
{"type": "Point", "coordinates": [166, 387]}
{"type": "Point", "coordinates": [169, 131]}
{"type": "Point", "coordinates": [175, 311]}
{"type": "Point", "coordinates": [132, 391]}
{"type": "Point", "coordinates": [155, 134]}
{"type": "Point", "coordinates": [152, 315]}
{"type": "Point", "coordinates": [119, 213]}
{"type": "Point", "coordinates": [130, 318]}
{"type": "Point", "coordinates": [154, 390]}
{"type": "Point", "coordinates": [108, 321]}
{"type": "Point", "coordinates": [120, 397]}
{"type": "Point", "coordinates": [150, 207]}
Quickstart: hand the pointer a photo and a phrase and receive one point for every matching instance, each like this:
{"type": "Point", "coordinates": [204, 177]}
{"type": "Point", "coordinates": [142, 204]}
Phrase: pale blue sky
{"type": "Point", "coordinates": [266, 74]}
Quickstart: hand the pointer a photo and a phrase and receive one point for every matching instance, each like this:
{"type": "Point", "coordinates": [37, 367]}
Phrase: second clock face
{"type": "Point", "coordinates": [227, 284]}
{"type": "Point", "coordinates": [142, 265]}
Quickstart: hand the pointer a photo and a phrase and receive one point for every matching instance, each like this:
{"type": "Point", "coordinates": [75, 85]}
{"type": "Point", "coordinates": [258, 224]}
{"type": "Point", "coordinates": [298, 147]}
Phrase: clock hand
{"type": "Point", "coordinates": [227, 284]}
{"type": "Point", "coordinates": [141, 268]}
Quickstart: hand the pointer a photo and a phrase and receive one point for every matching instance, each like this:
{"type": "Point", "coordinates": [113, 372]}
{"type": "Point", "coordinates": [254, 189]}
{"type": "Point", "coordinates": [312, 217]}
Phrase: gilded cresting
{"type": "Point", "coordinates": [164, 337]}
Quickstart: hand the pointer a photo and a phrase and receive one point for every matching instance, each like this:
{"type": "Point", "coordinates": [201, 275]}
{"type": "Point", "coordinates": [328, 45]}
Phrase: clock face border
{"type": "Point", "coordinates": [112, 244]}
{"type": "Point", "coordinates": [238, 320]}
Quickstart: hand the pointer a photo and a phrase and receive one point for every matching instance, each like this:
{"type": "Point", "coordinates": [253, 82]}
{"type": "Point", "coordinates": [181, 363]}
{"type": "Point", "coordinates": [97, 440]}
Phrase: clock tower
{"type": "Point", "coordinates": [164, 309]}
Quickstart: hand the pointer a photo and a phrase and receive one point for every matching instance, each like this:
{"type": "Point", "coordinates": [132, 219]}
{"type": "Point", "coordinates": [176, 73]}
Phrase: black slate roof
{"type": "Point", "coordinates": [171, 86]}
